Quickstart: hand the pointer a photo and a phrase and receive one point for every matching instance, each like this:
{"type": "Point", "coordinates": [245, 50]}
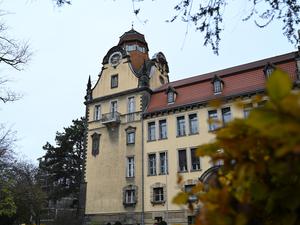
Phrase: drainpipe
{"type": "Point", "coordinates": [143, 181]}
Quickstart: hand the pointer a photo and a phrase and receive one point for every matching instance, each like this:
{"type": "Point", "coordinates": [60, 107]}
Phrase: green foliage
{"type": "Point", "coordinates": [259, 182]}
{"type": "Point", "coordinates": [7, 204]}
{"type": "Point", "coordinates": [62, 165]}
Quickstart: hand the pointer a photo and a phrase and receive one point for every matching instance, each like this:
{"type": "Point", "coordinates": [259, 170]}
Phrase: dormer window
{"type": "Point", "coordinates": [217, 85]}
{"type": "Point", "coordinates": [171, 95]}
{"type": "Point", "coordinates": [268, 70]}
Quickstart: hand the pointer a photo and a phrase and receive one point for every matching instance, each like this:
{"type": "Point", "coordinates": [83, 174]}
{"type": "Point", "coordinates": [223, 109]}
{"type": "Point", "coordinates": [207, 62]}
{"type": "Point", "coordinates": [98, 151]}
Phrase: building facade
{"type": "Point", "coordinates": [142, 130]}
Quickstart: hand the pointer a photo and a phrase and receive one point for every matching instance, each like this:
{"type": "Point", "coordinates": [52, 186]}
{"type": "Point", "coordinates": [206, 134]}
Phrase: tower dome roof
{"type": "Point", "coordinates": [132, 36]}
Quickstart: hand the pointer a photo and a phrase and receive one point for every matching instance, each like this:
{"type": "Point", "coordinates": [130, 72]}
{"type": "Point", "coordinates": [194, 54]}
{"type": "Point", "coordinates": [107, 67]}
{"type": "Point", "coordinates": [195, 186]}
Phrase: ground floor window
{"type": "Point", "coordinates": [191, 220]}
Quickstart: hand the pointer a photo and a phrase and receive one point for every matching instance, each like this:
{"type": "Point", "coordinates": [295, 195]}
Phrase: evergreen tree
{"type": "Point", "coordinates": [62, 165]}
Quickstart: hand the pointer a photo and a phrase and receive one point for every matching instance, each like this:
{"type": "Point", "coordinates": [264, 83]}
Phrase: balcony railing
{"type": "Point", "coordinates": [112, 117]}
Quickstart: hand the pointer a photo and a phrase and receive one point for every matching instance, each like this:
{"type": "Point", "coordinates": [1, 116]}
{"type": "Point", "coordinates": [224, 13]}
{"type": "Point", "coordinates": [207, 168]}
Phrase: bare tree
{"type": "Point", "coordinates": [208, 16]}
{"type": "Point", "coordinates": [13, 53]}
{"type": "Point", "coordinates": [7, 140]}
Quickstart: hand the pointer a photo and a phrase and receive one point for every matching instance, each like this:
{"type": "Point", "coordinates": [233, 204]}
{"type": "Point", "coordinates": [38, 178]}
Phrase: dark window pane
{"type": "Point", "coordinates": [151, 131]}
{"type": "Point", "coordinates": [195, 161]}
{"type": "Point", "coordinates": [193, 123]}
{"type": "Point", "coordinates": [182, 160]}
{"type": "Point", "coordinates": [162, 129]}
{"type": "Point", "coordinates": [180, 126]}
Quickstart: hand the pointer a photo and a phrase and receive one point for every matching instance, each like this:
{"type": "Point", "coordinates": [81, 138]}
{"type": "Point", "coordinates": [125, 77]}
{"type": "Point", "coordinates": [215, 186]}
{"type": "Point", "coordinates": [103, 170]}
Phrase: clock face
{"type": "Point", "coordinates": [115, 58]}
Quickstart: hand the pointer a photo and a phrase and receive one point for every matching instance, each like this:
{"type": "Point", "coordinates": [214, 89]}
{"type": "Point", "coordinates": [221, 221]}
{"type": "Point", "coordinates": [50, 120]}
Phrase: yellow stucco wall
{"type": "Point", "coordinates": [172, 144]}
{"type": "Point", "coordinates": [127, 79]}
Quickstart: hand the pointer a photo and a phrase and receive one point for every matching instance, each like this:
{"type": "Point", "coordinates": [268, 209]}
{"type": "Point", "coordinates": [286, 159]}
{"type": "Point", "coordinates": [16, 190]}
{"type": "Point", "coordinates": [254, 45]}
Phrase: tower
{"type": "Point", "coordinates": [115, 104]}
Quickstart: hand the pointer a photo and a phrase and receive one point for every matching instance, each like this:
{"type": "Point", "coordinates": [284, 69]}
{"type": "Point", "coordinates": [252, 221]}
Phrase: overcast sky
{"type": "Point", "coordinates": [68, 44]}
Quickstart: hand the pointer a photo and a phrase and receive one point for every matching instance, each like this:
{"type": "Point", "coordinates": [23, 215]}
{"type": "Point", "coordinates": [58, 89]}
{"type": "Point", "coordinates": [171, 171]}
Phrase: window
{"type": "Point", "coordinates": [162, 129]}
{"type": "Point", "coordinates": [170, 97]}
{"type": "Point", "coordinates": [191, 220]}
{"type": "Point", "coordinates": [95, 144]}
{"type": "Point", "coordinates": [113, 109]}
{"type": "Point", "coordinates": [180, 126]}
{"type": "Point", "coordinates": [130, 48]}
{"type": "Point", "coordinates": [188, 189]}
{"type": "Point", "coordinates": [97, 112]}
{"type": "Point", "coordinates": [129, 195]}
{"type": "Point", "coordinates": [226, 115]}
{"type": "Point", "coordinates": [130, 166]}
{"type": "Point", "coordinates": [213, 120]}
{"type": "Point", "coordinates": [114, 81]}
{"type": "Point", "coordinates": [163, 162]}
{"type": "Point", "coordinates": [151, 131]}
{"type": "Point", "coordinates": [217, 86]}
{"type": "Point", "coordinates": [182, 160]}
{"type": "Point", "coordinates": [268, 70]}
{"type": "Point", "coordinates": [158, 219]}
{"type": "Point", "coordinates": [131, 109]}
{"type": "Point", "coordinates": [195, 160]}
{"type": "Point", "coordinates": [247, 110]}
{"type": "Point", "coordinates": [131, 137]}
{"type": "Point", "coordinates": [151, 164]}
{"type": "Point", "coordinates": [158, 194]}
{"type": "Point", "coordinates": [193, 123]}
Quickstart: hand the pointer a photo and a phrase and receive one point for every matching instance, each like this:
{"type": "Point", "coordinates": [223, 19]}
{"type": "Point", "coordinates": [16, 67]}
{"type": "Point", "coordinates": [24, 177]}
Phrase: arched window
{"type": "Point", "coordinates": [95, 144]}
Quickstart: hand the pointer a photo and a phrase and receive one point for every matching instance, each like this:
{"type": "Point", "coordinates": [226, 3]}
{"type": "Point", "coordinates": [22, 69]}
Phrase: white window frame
{"type": "Point", "coordinates": [197, 123]}
{"type": "Point", "coordinates": [199, 166]}
{"type": "Point", "coordinates": [163, 166]}
{"type": "Point", "coordinates": [177, 126]}
{"type": "Point", "coordinates": [152, 165]}
{"type": "Point", "coordinates": [151, 137]}
{"type": "Point", "coordinates": [180, 170]}
{"type": "Point", "coordinates": [97, 112]}
{"type": "Point", "coordinates": [160, 194]}
{"type": "Point", "coordinates": [160, 130]}
{"type": "Point", "coordinates": [212, 126]}
{"type": "Point", "coordinates": [225, 115]}
{"type": "Point", "coordinates": [130, 166]}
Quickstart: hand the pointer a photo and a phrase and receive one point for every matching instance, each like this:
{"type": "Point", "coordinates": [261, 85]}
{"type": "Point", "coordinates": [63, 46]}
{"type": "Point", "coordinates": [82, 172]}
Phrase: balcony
{"type": "Point", "coordinates": [110, 118]}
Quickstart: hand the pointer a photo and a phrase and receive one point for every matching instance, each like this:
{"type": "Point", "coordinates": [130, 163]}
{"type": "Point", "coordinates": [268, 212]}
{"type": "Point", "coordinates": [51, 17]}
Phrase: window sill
{"type": "Point", "coordinates": [181, 135]}
{"type": "Point", "coordinates": [130, 143]}
{"type": "Point", "coordinates": [161, 174]}
{"type": "Point", "coordinates": [151, 175]}
{"type": "Point", "coordinates": [217, 93]}
{"type": "Point", "coordinates": [130, 178]}
{"type": "Point", "coordinates": [158, 202]}
{"type": "Point", "coordinates": [193, 170]}
{"type": "Point", "coordinates": [185, 171]}
{"type": "Point", "coordinates": [214, 130]}
{"type": "Point", "coordinates": [129, 204]}
{"type": "Point", "coordinates": [190, 134]}
{"type": "Point", "coordinates": [159, 139]}
{"type": "Point", "coordinates": [151, 140]}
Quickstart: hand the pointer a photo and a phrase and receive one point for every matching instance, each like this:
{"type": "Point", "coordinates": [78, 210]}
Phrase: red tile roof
{"type": "Point", "coordinates": [237, 80]}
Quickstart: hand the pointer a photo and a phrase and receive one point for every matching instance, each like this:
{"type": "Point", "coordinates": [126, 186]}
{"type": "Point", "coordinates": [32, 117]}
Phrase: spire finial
{"type": "Point", "coordinates": [132, 23]}
{"type": "Point", "coordinates": [89, 84]}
